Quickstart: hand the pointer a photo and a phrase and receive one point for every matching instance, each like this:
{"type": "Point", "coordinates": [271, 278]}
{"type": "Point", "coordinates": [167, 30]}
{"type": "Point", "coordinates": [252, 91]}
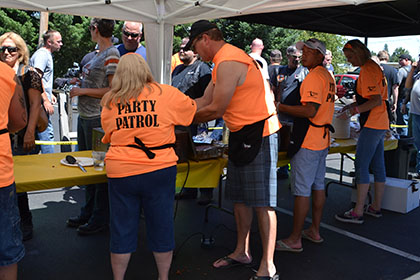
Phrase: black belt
{"type": "Point", "coordinates": [151, 155]}
{"type": "Point", "coordinates": [3, 131]}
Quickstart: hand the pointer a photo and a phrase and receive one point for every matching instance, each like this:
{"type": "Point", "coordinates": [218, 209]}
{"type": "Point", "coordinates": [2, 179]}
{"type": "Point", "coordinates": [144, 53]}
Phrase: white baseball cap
{"type": "Point", "coordinates": [312, 43]}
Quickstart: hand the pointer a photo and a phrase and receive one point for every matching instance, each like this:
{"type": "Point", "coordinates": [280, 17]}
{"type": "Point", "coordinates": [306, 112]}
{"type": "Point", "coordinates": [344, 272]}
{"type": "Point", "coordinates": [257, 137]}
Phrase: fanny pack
{"type": "Point", "coordinates": [245, 143]}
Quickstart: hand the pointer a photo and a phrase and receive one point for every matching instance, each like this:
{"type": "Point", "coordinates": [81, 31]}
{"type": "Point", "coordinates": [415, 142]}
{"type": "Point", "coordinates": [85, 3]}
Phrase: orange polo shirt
{"type": "Point", "coordinates": [175, 61]}
{"type": "Point", "coordinates": [7, 88]}
{"type": "Point", "coordinates": [253, 100]}
{"type": "Point", "coordinates": [318, 87]}
{"type": "Point", "coordinates": [151, 118]}
{"type": "Point", "coordinates": [372, 82]}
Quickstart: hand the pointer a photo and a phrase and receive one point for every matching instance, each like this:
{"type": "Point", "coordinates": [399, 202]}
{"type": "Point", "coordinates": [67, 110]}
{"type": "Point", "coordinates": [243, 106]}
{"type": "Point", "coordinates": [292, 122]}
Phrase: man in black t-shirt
{"type": "Point", "coordinates": [392, 80]}
{"type": "Point", "coordinates": [192, 77]}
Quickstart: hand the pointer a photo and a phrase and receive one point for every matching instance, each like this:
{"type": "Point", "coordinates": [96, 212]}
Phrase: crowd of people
{"type": "Point", "coordinates": [267, 108]}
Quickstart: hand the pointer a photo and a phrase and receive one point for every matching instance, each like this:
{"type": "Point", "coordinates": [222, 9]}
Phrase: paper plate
{"type": "Point", "coordinates": [84, 161]}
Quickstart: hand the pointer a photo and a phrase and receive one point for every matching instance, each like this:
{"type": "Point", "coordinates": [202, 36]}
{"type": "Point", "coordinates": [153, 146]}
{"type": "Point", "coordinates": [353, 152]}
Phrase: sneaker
{"type": "Point", "coordinates": [349, 217]}
{"type": "Point", "coordinates": [89, 229]}
{"type": "Point", "coordinates": [372, 212]}
{"type": "Point", "coordinates": [76, 221]}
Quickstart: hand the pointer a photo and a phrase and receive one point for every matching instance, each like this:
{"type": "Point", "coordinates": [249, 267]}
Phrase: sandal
{"type": "Point", "coordinates": [308, 237]}
{"type": "Point", "coordinates": [256, 277]}
{"type": "Point", "coordinates": [229, 262]}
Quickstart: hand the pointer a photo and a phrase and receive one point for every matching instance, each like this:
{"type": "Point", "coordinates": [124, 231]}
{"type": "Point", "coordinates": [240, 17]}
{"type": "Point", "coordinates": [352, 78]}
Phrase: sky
{"type": "Point", "coordinates": [410, 43]}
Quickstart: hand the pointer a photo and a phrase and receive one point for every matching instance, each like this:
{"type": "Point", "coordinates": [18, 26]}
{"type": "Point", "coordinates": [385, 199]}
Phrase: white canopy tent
{"type": "Point", "coordinates": [160, 16]}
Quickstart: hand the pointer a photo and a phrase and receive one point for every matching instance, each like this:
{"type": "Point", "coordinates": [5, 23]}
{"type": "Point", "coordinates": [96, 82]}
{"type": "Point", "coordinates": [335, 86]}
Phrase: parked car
{"type": "Point", "coordinates": [344, 83]}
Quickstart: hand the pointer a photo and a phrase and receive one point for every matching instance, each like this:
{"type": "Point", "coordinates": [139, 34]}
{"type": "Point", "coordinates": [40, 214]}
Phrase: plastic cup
{"type": "Point", "coordinates": [98, 160]}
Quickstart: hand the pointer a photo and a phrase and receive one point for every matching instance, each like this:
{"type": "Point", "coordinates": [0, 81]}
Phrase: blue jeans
{"type": "Point", "coordinates": [415, 124]}
{"type": "Point", "coordinates": [402, 119]}
{"type": "Point", "coordinates": [11, 247]}
{"type": "Point", "coordinates": [152, 192]}
{"type": "Point", "coordinates": [96, 208]}
{"type": "Point", "coordinates": [370, 153]}
{"type": "Point", "coordinates": [47, 135]}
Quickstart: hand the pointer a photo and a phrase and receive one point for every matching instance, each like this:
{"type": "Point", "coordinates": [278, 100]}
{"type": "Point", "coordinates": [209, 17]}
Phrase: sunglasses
{"type": "Point", "coordinates": [128, 34]}
{"type": "Point", "coordinates": [9, 49]}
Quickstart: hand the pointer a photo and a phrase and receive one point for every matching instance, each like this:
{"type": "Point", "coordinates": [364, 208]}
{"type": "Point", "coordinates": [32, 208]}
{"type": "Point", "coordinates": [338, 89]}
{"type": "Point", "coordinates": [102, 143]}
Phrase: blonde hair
{"type": "Point", "coordinates": [131, 77]}
{"type": "Point", "coordinates": [20, 44]}
{"type": "Point", "coordinates": [359, 49]}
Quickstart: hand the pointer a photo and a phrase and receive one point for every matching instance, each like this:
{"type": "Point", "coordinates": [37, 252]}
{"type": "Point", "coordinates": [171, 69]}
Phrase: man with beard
{"type": "Point", "coordinates": [192, 78]}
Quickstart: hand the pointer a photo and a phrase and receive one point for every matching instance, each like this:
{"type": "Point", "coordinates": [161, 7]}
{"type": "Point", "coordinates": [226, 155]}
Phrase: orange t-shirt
{"type": "Point", "coordinates": [372, 82]}
{"type": "Point", "coordinates": [318, 87]}
{"type": "Point", "coordinates": [175, 61]}
{"type": "Point", "coordinates": [253, 100]}
{"type": "Point", "coordinates": [151, 118]}
{"type": "Point", "coordinates": [7, 89]}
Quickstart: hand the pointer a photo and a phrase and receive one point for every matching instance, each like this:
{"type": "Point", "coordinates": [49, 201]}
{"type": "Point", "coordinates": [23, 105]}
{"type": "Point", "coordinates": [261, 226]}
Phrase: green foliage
{"type": "Point", "coordinates": [23, 23]}
{"type": "Point", "coordinates": [396, 54]}
{"type": "Point", "coordinates": [333, 42]}
{"type": "Point", "coordinates": [241, 35]}
{"type": "Point", "coordinates": [76, 40]}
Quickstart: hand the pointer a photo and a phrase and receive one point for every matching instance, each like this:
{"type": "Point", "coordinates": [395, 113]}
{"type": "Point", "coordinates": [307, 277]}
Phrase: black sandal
{"type": "Point", "coordinates": [230, 262]}
{"type": "Point", "coordinates": [256, 277]}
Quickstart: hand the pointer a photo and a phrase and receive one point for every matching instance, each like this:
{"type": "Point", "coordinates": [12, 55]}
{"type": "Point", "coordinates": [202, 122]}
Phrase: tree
{"type": "Point", "coordinates": [396, 54]}
{"type": "Point", "coordinates": [241, 35]}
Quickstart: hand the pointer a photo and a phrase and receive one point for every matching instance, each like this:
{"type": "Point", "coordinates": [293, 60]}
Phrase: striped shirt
{"type": "Point", "coordinates": [95, 75]}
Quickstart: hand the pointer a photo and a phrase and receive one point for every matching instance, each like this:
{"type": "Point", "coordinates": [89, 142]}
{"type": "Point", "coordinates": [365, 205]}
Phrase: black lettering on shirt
{"type": "Point", "coordinates": [137, 121]}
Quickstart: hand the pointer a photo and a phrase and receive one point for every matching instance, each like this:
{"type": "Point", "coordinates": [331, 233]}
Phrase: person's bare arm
{"type": "Point", "coordinates": [230, 74]}
{"type": "Point", "coordinates": [206, 98]}
{"type": "Point", "coordinates": [34, 105]}
{"type": "Point", "coordinates": [308, 110]}
{"type": "Point", "coordinates": [408, 86]}
{"type": "Point", "coordinates": [92, 92]}
{"type": "Point", "coordinates": [18, 117]}
{"type": "Point", "coordinates": [395, 97]}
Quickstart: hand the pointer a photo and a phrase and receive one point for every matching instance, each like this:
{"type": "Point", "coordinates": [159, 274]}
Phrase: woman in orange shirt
{"type": "Point", "coordinates": [371, 95]}
{"type": "Point", "coordinates": [139, 117]}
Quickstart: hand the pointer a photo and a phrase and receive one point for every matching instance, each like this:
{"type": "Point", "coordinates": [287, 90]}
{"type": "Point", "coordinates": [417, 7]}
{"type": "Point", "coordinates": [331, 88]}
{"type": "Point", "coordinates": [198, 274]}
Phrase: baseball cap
{"type": "Point", "coordinates": [314, 44]}
{"type": "Point", "coordinates": [197, 28]}
{"type": "Point", "coordinates": [405, 56]}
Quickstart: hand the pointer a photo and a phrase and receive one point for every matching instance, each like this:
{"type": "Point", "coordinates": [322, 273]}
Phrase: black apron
{"type": "Point", "coordinates": [245, 143]}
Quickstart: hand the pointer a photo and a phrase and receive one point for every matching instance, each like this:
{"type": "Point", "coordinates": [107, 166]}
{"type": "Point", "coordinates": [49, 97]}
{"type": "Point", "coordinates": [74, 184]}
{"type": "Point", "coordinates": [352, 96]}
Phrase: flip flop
{"type": "Point", "coordinates": [256, 277]}
{"type": "Point", "coordinates": [229, 262]}
{"type": "Point", "coordinates": [281, 246]}
{"type": "Point", "coordinates": [308, 237]}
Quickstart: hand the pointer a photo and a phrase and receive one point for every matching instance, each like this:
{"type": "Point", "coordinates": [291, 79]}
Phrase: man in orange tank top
{"type": "Point", "coordinates": [239, 93]}
{"type": "Point", "coordinates": [308, 164]}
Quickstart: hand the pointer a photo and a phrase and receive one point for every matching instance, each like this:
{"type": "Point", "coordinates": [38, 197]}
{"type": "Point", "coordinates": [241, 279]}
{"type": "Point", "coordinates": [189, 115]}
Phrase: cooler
{"type": "Point", "coordinates": [400, 195]}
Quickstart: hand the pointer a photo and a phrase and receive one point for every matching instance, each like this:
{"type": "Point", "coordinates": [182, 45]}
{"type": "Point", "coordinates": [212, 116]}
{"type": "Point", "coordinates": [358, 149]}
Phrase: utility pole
{"type": "Point", "coordinates": [43, 26]}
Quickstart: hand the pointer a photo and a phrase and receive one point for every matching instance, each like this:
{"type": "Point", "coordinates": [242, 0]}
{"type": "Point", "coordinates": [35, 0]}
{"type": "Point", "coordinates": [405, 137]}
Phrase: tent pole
{"type": "Point", "coordinates": [43, 26]}
{"type": "Point", "coordinates": [161, 51]}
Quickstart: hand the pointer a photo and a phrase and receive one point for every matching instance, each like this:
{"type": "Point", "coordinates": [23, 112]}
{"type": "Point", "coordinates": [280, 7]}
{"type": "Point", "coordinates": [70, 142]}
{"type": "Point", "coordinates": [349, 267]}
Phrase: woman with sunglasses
{"type": "Point", "coordinates": [96, 80]}
{"type": "Point", "coordinates": [14, 52]}
{"type": "Point", "coordinates": [371, 95]}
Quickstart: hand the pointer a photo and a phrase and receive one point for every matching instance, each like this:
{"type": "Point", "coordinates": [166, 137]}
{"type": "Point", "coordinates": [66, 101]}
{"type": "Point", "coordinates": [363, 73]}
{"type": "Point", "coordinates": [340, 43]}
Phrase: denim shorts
{"type": "Point", "coordinates": [255, 184]}
{"type": "Point", "coordinates": [11, 246]}
{"type": "Point", "coordinates": [308, 171]}
{"type": "Point", "coordinates": [151, 192]}
{"type": "Point", "coordinates": [370, 153]}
